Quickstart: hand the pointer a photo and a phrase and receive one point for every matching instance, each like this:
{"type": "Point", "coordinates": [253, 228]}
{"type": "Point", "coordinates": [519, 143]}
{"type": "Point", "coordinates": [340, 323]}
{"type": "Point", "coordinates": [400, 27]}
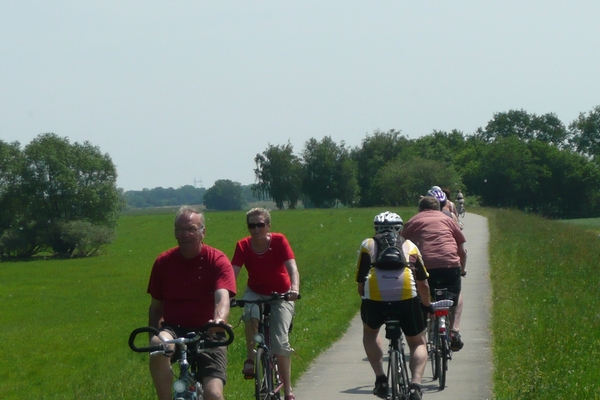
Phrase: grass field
{"type": "Point", "coordinates": [65, 323]}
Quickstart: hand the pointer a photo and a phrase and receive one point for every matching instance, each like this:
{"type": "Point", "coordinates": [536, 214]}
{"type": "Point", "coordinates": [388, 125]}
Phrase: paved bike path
{"type": "Point", "coordinates": [343, 372]}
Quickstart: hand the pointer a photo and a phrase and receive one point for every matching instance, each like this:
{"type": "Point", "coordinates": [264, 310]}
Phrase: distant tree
{"type": "Point", "coordinates": [66, 182]}
{"type": "Point", "coordinates": [586, 133]}
{"type": "Point", "coordinates": [504, 173]}
{"type": "Point", "coordinates": [439, 146]}
{"type": "Point", "coordinates": [161, 197]}
{"type": "Point", "coordinates": [527, 127]}
{"type": "Point", "coordinates": [329, 173]}
{"type": "Point", "coordinates": [224, 195]}
{"type": "Point", "coordinates": [11, 196]}
{"type": "Point", "coordinates": [375, 151]}
{"type": "Point", "coordinates": [278, 176]}
{"type": "Point", "coordinates": [403, 180]}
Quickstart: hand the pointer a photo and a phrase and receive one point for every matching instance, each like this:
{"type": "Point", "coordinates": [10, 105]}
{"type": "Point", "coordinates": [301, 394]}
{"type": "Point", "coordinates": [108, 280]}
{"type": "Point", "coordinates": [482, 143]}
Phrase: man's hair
{"type": "Point", "coordinates": [429, 203]}
{"type": "Point", "coordinates": [259, 211]}
{"type": "Point", "coordinates": [189, 210]}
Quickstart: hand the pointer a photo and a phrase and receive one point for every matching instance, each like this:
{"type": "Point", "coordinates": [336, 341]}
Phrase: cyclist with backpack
{"type": "Point", "coordinates": [392, 280]}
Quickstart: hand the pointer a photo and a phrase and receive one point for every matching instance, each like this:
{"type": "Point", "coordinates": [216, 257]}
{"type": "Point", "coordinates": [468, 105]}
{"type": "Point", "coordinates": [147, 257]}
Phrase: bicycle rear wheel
{"type": "Point", "coordinates": [444, 353]}
{"type": "Point", "coordinates": [432, 351]}
{"type": "Point", "coordinates": [394, 374]}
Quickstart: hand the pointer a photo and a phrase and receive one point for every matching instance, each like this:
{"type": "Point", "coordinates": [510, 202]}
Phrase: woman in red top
{"type": "Point", "coordinates": [271, 267]}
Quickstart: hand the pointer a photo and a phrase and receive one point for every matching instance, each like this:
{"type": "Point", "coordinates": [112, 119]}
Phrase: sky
{"type": "Point", "coordinates": [189, 92]}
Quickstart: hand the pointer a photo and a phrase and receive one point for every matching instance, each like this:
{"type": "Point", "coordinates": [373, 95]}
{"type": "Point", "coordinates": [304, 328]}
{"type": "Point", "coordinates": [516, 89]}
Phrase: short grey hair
{"type": "Point", "coordinates": [184, 210]}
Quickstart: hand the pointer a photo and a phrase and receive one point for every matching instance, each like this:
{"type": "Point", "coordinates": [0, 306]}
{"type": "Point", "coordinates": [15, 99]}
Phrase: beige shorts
{"type": "Point", "coordinates": [282, 315]}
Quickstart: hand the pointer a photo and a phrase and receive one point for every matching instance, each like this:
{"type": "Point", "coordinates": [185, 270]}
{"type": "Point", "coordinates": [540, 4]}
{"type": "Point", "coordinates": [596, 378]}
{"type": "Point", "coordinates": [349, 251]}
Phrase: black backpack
{"type": "Point", "coordinates": [389, 251]}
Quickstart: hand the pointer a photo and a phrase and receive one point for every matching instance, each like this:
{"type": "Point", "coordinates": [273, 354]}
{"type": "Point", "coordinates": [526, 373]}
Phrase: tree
{"type": "Point", "coordinates": [586, 133]}
{"type": "Point", "coordinates": [527, 127]}
{"type": "Point", "coordinates": [279, 176]}
{"type": "Point", "coordinates": [224, 195]}
{"type": "Point", "coordinates": [375, 151]}
{"type": "Point", "coordinates": [329, 173]}
{"type": "Point", "coordinates": [401, 181]}
{"type": "Point", "coordinates": [11, 166]}
{"type": "Point", "coordinates": [66, 182]}
{"type": "Point", "coordinates": [439, 146]}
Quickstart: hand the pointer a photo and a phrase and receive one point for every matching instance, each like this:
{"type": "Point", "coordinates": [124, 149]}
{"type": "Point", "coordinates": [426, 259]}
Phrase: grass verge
{"type": "Point", "coordinates": [545, 320]}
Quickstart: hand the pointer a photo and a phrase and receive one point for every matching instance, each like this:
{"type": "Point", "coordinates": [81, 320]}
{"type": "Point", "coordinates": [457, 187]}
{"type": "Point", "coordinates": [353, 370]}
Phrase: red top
{"type": "Point", "coordinates": [187, 286]}
{"type": "Point", "coordinates": [437, 236]}
{"type": "Point", "coordinates": [266, 271]}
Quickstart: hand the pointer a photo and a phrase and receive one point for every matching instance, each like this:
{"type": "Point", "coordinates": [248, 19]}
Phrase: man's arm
{"type": "Point", "coordinates": [221, 306]}
{"type": "Point", "coordinates": [155, 313]}
{"type": "Point", "coordinates": [423, 290]}
{"type": "Point", "coordinates": [462, 253]}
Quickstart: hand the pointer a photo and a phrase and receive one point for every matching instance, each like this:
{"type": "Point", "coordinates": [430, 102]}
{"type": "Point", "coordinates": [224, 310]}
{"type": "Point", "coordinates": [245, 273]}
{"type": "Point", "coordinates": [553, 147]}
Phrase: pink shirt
{"type": "Point", "coordinates": [187, 286]}
{"type": "Point", "coordinates": [437, 236]}
{"type": "Point", "coordinates": [266, 271]}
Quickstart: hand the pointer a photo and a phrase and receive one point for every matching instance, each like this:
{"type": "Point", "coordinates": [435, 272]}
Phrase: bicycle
{"type": "Point", "coordinates": [438, 336]}
{"type": "Point", "coordinates": [187, 386]}
{"type": "Point", "coordinates": [397, 369]}
{"type": "Point", "coordinates": [267, 382]}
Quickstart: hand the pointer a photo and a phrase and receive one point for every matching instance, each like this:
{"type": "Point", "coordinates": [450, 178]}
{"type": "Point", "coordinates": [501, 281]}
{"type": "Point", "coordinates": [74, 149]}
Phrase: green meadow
{"type": "Point", "coordinates": [65, 323]}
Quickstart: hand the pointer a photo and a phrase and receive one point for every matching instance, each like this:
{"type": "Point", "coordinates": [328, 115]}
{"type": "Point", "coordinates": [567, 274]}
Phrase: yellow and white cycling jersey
{"type": "Point", "coordinates": [390, 285]}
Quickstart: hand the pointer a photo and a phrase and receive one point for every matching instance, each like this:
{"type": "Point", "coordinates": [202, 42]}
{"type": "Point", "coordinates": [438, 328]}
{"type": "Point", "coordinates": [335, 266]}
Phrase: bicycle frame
{"type": "Point", "coordinates": [397, 369]}
{"type": "Point", "coordinates": [188, 385]}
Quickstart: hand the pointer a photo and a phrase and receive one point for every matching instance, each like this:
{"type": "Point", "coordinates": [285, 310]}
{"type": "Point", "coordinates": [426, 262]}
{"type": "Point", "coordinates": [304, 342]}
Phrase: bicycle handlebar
{"type": "Point", "coordinates": [274, 296]}
{"type": "Point", "coordinates": [199, 336]}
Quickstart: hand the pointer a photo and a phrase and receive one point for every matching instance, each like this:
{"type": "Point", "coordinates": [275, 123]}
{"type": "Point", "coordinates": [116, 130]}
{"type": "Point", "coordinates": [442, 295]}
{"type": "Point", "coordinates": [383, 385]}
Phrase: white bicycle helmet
{"type": "Point", "coordinates": [388, 222]}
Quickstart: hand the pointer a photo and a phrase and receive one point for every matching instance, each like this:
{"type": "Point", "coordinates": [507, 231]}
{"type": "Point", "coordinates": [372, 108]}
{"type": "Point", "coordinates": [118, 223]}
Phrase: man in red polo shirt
{"type": "Point", "coordinates": [190, 285]}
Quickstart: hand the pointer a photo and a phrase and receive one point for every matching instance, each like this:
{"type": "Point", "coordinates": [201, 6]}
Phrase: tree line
{"type": "Point", "coordinates": [223, 195]}
{"type": "Point", "coordinates": [520, 160]}
{"type": "Point", "coordinates": [62, 198]}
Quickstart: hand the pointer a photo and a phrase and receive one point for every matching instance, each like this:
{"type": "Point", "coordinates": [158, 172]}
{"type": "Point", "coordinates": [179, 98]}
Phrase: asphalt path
{"type": "Point", "coordinates": [343, 372]}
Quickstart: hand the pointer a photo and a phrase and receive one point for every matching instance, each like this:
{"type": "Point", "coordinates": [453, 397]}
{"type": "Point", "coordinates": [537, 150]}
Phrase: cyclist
{"type": "Point", "coordinates": [442, 245]}
{"type": "Point", "coordinates": [441, 196]}
{"type": "Point", "coordinates": [190, 285]}
{"type": "Point", "coordinates": [393, 294]}
{"type": "Point", "coordinates": [460, 200]}
{"type": "Point", "coordinates": [271, 266]}
{"type": "Point", "coordinates": [450, 206]}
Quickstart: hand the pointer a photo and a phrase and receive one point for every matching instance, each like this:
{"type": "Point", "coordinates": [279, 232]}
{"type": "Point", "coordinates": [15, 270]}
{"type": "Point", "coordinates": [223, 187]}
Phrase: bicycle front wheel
{"type": "Point", "coordinates": [262, 383]}
{"type": "Point", "coordinates": [266, 379]}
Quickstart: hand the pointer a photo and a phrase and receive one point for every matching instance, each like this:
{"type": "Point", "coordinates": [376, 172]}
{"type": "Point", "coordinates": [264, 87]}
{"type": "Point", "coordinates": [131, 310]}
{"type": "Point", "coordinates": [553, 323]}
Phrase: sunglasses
{"type": "Point", "coordinates": [258, 225]}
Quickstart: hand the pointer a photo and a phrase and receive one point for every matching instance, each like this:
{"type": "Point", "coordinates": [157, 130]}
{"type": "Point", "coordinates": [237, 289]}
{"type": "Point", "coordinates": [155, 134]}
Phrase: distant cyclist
{"type": "Point", "coordinates": [441, 243]}
{"type": "Point", "coordinates": [460, 201]}
{"type": "Point", "coordinates": [450, 206]}
{"type": "Point", "coordinates": [394, 292]}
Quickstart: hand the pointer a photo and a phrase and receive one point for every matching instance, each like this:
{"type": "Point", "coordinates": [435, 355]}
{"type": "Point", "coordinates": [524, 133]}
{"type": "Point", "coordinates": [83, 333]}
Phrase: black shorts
{"type": "Point", "coordinates": [408, 312]}
{"type": "Point", "coordinates": [210, 363]}
{"type": "Point", "coordinates": [448, 278]}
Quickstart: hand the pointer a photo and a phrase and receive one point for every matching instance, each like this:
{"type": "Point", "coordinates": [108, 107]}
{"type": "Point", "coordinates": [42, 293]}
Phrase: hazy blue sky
{"type": "Point", "coordinates": [177, 91]}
